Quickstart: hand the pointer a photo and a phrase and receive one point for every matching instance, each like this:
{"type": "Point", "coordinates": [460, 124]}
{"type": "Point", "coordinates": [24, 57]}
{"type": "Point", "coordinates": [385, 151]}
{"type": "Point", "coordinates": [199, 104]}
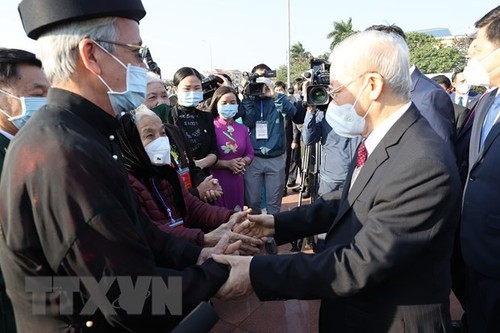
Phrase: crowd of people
{"type": "Point", "coordinates": [106, 172]}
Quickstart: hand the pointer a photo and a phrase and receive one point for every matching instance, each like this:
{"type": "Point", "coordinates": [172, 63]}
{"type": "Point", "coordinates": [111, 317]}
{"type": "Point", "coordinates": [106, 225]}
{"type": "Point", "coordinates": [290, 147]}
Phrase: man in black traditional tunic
{"type": "Point", "coordinates": [67, 208]}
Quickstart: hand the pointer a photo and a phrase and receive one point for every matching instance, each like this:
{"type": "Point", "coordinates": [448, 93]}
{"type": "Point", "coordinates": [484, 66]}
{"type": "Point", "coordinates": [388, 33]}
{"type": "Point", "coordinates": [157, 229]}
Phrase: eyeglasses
{"type": "Point", "coordinates": [334, 92]}
{"type": "Point", "coordinates": [142, 51]}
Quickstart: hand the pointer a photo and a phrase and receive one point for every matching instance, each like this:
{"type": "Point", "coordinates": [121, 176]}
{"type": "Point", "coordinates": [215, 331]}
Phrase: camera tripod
{"type": "Point", "coordinates": [309, 172]}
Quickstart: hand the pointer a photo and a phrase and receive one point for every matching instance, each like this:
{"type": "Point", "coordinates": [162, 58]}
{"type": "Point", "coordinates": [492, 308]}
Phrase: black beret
{"type": "Point", "coordinates": [39, 16]}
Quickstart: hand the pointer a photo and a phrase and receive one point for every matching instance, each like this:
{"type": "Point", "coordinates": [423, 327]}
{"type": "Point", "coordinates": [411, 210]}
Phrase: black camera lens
{"type": "Point", "coordinates": [317, 95]}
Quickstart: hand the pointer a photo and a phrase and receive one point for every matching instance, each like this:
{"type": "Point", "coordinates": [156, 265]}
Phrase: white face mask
{"type": "Point", "coordinates": [135, 93]}
{"type": "Point", "coordinates": [344, 119]}
{"type": "Point", "coordinates": [189, 98]}
{"type": "Point", "coordinates": [475, 72]}
{"type": "Point", "coordinates": [463, 88]}
{"type": "Point", "coordinates": [158, 151]}
{"type": "Point", "coordinates": [227, 111]}
{"type": "Point", "coordinates": [29, 105]}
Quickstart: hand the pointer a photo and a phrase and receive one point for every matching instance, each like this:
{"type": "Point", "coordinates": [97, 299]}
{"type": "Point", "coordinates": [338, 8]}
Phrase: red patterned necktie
{"type": "Point", "coordinates": [362, 154]}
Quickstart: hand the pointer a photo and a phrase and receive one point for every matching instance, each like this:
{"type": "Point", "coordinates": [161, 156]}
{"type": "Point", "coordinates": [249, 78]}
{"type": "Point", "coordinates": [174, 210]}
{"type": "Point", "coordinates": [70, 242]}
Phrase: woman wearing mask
{"type": "Point", "coordinates": [204, 187]}
{"type": "Point", "coordinates": [235, 150]}
{"type": "Point", "coordinates": [152, 174]}
{"type": "Point", "coordinates": [157, 97]}
{"type": "Point", "coordinates": [197, 125]}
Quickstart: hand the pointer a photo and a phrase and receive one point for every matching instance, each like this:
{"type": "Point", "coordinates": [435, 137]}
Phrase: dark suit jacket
{"type": "Point", "coordinates": [435, 105]}
{"type": "Point", "coordinates": [386, 263]}
{"type": "Point", "coordinates": [4, 143]}
{"type": "Point", "coordinates": [464, 129]}
{"type": "Point", "coordinates": [481, 210]}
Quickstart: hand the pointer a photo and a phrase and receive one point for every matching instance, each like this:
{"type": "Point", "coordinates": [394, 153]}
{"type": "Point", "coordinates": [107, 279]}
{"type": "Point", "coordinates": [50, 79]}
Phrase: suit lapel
{"type": "Point", "coordinates": [466, 125]}
{"type": "Point", "coordinates": [376, 159]}
{"type": "Point", "coordinates": [480, 115]}
{"type": "Point", "coordinates": [492, 135]}
{"type": "Point", "coordinates": [415, 76]}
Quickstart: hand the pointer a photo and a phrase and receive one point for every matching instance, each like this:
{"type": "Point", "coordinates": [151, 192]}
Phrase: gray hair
{"type": "Point", "coordinates": [384, 53]}
{"type": "Point", "coordinates": [140, 111]}
{"type": "Point", "coordinates": [58, 48]}
{"type": "Point", "coordinates": [153, 78]}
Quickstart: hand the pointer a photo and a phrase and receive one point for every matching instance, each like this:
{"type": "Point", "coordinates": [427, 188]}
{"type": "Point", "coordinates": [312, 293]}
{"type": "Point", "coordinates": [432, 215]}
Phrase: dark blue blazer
{"type": "Point", "coordinates": [480, 228]}
{"type": "Point", "coordinates": [464, 130]}
{"type": "Point", "coordinates": [435, 105]}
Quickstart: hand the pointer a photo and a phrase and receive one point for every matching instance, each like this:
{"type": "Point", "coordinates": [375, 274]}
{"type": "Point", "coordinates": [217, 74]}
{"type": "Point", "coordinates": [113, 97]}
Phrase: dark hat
{"type": "Point", "coordinates": [39, 16]}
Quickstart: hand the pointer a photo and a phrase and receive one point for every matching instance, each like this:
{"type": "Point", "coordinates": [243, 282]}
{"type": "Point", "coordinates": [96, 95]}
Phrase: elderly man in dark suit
{"type": "Point", "coordinates": [389, 238]}
{"type": "Point", "coordinates": [480, 224]}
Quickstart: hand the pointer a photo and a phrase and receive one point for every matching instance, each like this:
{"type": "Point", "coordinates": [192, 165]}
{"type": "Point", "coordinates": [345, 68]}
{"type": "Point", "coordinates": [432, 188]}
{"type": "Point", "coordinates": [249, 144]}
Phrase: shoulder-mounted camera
{"type": "Point", "coordinates": [319, 77]}
{"type": "Point", "coordinates": [254, 88]}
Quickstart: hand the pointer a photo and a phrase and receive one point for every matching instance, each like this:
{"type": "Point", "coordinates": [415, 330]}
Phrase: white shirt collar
{"type": "Point", "coordinates": [6, 134]}
{"type": "Point", "coordinates": [412, 69]}
{"type": "Point", "coordinates": [381, 130]}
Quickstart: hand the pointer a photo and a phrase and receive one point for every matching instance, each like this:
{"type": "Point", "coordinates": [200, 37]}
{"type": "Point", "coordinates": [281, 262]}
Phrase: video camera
{"type": "Point", "coordinates": [153, 66]}
{"type": "Point", "coordinates": [254, 88]}
{"type": "Point", "coordinates": [209, 85]}
{"type": "Point", "coordinates": [319, 76]}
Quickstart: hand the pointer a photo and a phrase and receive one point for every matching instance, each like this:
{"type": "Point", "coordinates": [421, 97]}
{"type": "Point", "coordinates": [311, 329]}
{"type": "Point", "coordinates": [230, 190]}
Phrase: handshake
{"type": "Point", "coordinates": [243, 236]}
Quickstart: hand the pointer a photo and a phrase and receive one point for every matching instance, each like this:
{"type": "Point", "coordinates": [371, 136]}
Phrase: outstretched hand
{"type": "Point", "coordinates": [249, 245]}
{"type": "Point", "coordinates": [256, 226]}
{"type": "Point", "coordinates": [238, 283]}
{"type": "Point", "coordinates": [224, 246]}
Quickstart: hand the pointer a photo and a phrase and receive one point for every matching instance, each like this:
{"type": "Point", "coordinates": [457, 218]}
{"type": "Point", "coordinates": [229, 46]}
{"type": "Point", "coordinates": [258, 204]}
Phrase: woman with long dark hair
{"type": "Point", "coordinates": [198, 125]}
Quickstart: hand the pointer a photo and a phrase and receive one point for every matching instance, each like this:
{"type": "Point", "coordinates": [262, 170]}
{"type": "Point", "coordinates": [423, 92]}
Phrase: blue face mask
{"type": "Point", "coordinates": [227, 111]}
{"type": "Point", "coordinates": [189, 98]}
{"type": "Point", "coordinates": [135, 94]}
{"type": "Point", "coordinates": [29, 106]}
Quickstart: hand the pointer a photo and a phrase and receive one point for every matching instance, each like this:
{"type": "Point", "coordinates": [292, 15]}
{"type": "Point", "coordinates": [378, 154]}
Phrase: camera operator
{"type": "Point", "coordinates": [264, 113]}
{"type": "Point", "coordinates": [292, 133]}
{"type": "Point", "coordinates": [209, 85]}
{"type": "Point", "coordinates": [337, 151]}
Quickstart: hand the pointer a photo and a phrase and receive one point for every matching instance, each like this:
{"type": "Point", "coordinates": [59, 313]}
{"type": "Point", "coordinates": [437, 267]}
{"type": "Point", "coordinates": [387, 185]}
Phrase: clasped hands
{"type": "Point", "coordinates": [210, 189]}
{"type": "Point", "coordinates": [238, 284]}
{"type": "Point", "coordinates": [236, 165]}
{"type": "Point", "coordinates": [224, 240]}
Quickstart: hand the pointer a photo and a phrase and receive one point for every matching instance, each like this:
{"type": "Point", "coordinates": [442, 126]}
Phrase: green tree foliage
{"type": "Point", "coordinates": [432, 56]}
{"type": "Point", "coordinates": [341, 30]}
{"type": "Point", "coordinates": [299, 63]}
{"type": "Point", "coordinates": [297, 67]}
{"type": "Point", "coordinates": [462, 45]}
{"type": "Point", "coordinates": [297, 51]}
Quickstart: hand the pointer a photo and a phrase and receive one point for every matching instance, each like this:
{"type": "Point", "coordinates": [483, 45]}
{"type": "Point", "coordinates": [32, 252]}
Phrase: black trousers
{"type": "Point", "coordinates": [482, 301]}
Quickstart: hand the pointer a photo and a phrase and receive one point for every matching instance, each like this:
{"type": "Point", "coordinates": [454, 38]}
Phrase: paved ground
{"type": "Point", "coordinates": [249, 315]}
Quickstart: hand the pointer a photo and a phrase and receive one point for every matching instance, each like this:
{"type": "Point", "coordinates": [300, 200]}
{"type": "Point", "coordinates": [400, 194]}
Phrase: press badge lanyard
{"type": "Point", "coordinates": [173, 222]}
{"type": "Point", "coordinates": [261, 126]}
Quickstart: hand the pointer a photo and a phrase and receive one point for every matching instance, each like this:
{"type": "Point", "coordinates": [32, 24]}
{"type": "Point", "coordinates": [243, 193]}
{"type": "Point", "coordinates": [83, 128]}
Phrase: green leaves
{"type": "Point", "coordinates": [341, 30]}
{"type": "Point", "coordinates": [431, 55]}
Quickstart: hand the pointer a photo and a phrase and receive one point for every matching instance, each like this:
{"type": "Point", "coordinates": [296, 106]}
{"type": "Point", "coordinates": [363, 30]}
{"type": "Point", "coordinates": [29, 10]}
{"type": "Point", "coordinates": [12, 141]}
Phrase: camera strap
{"type": "Point", "coordinates": [261, 126]}
{"type": "Point", "coordinates": [261, 110]}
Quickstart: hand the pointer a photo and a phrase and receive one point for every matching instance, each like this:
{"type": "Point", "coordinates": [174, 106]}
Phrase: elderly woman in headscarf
{"type": "Point", "coordinates": [197, 182]}
{"type": "Point", "coordinates": [153, 175]}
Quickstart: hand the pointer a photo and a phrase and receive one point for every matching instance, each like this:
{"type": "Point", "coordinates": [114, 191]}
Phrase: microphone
{"type": "Point", "coordinates": [200, 320]}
